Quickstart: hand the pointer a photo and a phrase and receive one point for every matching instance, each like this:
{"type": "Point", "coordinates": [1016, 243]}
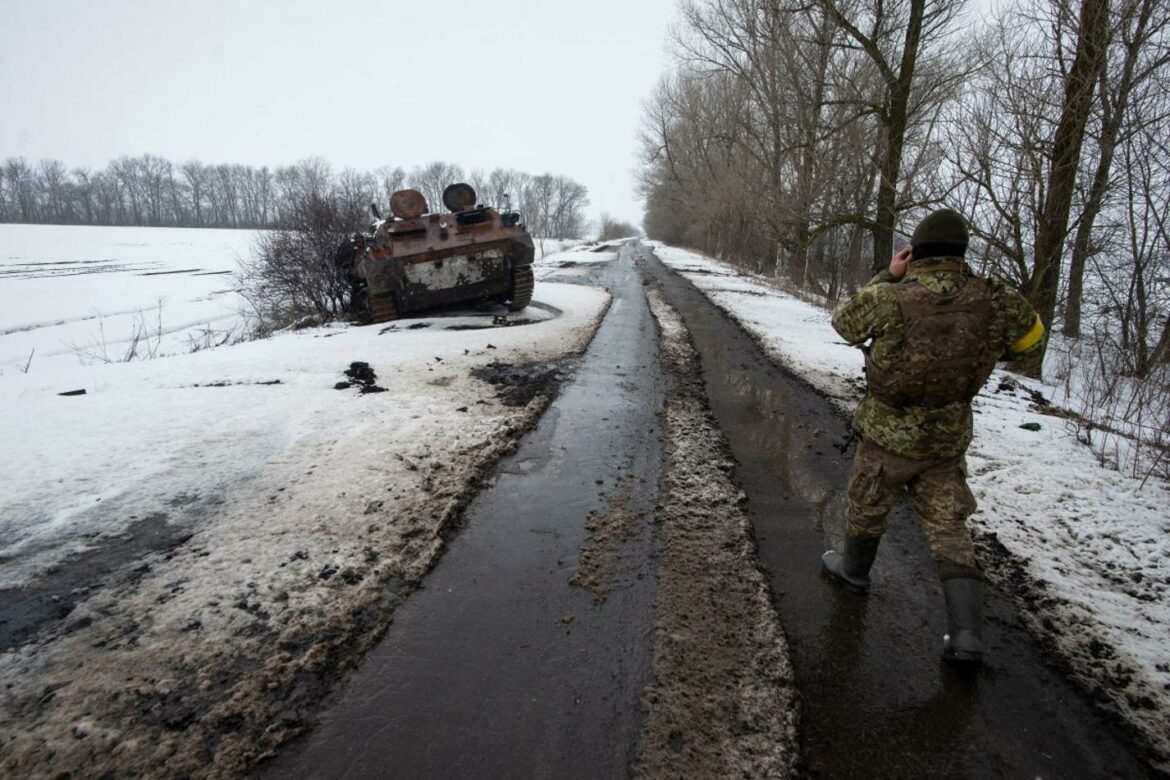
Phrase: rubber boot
{"type": "Point", "coordinates": [851, 567]}
{"type": "Point", "coordinates": [963, 642]}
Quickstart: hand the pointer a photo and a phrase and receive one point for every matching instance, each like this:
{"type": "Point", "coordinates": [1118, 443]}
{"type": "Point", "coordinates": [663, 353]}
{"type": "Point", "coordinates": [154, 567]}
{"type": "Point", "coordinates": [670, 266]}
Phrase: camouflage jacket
{"type": "Point", "coordinates": [873, 313]}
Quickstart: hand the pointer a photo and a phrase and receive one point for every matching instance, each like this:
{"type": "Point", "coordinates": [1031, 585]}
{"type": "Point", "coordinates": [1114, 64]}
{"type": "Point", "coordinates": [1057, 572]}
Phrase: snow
{"type": "Point", "coordinates": [79, 294]}
{"type": "Point", "coordinates": [1094, 543]}
{"type": "Point", "coordinates": [1123, 418]}
{"type": "Point", "coordinates": [147, 431]}
{"type": "Point", "coordinates": [546, 247]}
{"type": "Point", "coordinates": [277, 480]}
{"type": "Point", "coordinates": [576, 260]}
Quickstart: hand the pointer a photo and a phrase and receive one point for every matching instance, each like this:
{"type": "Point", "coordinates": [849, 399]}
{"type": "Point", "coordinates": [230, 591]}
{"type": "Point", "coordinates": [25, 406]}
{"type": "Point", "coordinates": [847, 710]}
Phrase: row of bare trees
{"type": "Point", "coordinates": [153, 191]}
{"type": "Point", "coordinates": [610, 228]}
{"type": "Point", "coordinates": [802, 137]}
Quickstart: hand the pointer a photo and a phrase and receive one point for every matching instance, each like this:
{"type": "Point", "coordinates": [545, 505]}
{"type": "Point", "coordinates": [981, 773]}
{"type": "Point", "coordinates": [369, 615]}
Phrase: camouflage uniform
{"type": "Point", "coordinates": [917, 448]}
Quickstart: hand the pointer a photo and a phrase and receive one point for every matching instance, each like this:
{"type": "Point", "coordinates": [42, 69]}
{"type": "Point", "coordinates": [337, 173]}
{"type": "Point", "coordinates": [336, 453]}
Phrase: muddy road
{"type": "Point", "coordinates": [527, 651]}
{"type": "Point", "coordinates": [876, 701]}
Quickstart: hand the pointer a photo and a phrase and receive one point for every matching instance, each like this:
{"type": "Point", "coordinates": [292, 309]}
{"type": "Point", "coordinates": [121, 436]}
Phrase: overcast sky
{"type": "Point", "coordinates": [540, 86]}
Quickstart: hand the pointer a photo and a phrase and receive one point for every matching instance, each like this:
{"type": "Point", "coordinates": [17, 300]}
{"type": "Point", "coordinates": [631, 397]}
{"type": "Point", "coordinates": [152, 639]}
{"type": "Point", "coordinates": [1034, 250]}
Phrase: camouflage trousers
{"type": "Point", "coordinates": [938, 493]}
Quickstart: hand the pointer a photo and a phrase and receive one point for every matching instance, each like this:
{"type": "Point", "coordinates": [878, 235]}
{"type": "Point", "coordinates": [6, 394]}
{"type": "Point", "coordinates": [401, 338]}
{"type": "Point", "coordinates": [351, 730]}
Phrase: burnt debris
{"type": "Point", "coordinates": [361, 375]}
{"type": "Point", "coordinates": [519, 384]}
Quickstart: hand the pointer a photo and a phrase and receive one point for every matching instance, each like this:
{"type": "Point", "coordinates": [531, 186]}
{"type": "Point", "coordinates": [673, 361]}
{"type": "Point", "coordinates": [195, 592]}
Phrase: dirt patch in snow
{"type": "Point", "coordinates": [722, 701]}
{"type": "Point", "coordinates": [363, 376]}
{"type": "Point", "coordinates": [223, 647]}
{"type": "Point", "coordinates": [518, 384]}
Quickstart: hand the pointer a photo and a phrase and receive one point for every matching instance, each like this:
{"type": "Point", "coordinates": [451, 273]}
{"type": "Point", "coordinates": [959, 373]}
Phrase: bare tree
{"type": "Point", "coordinates": [292, 272]}
{"type": "Point", "coordinates": [893, 35]}
{"type": "Point", "coordinates": [567, 210]}
{"type": "Point", "coordinates": [770, 122]}
{"type": "Point", "coordinates": [53, 185]}
{"type": "Point", "coordinates": [1138, 53]}
{"type": "Point", "coordinates": [150, 190]}
{"type": "Point", "coordinates": [356, 190]}
{"type": "Point", "coordinates": [21, 190]}
{"type": "Point", "coordinates": [1079, 83]}
{"type": "Point", "coordinates": [432, 179]}
{"type": "Point", "coordinates": [390, 181]}
{"type": "Point", "coordinates": [195, 176]}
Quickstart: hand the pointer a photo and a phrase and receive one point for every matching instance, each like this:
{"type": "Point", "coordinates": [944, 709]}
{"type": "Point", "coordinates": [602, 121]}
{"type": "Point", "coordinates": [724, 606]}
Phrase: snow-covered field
{"type": "Point", "coordinates": [81, 295]}
{"type": "Point", "coordinates": [91, 295]}
{"type": "Point", "coordinates": [1088, 549]}
{"type": "Point", "coordinates": [302, 509]}
{"type": "Point", "coordinates": [74, 296]}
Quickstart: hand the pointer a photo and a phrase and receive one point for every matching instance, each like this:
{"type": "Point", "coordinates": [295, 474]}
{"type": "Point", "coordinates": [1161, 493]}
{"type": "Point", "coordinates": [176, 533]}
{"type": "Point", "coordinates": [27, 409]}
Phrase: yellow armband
{"type": "Point", "coordinates": [1031, 338]}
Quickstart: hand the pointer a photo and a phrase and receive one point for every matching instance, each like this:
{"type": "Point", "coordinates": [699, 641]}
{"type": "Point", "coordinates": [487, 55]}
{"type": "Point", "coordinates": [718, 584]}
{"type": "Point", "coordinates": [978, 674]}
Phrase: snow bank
{"type": "Point", "coordinates": [576, 260]}
{"type": "Point", "coordinates": [546, 247]}
{"type": "Point", "coordinates": [300, 514]}
{"type": "Point", "coordinates": [1093, 545]}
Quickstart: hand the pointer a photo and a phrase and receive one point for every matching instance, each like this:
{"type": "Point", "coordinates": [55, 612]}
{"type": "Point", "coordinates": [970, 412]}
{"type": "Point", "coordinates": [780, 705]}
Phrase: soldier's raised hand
{"type": "Point", "coordinates": [899, 262]}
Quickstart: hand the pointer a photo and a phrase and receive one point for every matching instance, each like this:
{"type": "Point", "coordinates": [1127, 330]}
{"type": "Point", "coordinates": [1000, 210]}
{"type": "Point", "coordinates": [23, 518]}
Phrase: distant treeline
{"type": "Point", "coordinates": [152, 191]}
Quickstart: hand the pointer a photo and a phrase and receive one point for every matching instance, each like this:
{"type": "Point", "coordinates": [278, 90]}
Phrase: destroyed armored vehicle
{"type": "Point", "coordinates": [419, 260]}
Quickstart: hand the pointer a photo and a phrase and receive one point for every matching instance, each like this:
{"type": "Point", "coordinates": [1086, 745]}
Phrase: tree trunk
{"type": "Point", "coordinates": [883, 232]}
{"type": "Point", "coordinates": [1080, 252]}
{"type": "Point", "coordinates": [1113, 116]}
{"type": "Point", "coordinates": [1161, 353]}
{"type": "Point", "coordinates": [896, 121]}
{"type": "Point", "coordinates": [1092, 35]}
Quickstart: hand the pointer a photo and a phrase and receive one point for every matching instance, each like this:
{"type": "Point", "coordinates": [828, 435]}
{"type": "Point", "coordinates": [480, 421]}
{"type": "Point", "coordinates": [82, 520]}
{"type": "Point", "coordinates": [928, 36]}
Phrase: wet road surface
{"type": "Point", "coordinates": [499, 667]}
{"type": "Point", "coordinates": [876, 699]}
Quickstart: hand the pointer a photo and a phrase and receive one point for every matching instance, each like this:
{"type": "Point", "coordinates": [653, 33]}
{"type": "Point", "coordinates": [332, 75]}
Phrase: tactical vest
{"type": "Point", "coordinates": [945, 355]}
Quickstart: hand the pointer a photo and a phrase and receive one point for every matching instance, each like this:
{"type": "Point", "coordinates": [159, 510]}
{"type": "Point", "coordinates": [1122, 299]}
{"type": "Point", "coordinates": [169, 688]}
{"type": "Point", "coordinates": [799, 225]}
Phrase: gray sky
{"type": "Point", "coordinates": [539, 86]}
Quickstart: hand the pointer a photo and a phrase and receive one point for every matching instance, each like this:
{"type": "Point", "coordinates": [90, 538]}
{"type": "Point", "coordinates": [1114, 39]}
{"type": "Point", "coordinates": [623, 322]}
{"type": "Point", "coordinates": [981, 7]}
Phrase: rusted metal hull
{"type": "Point", "coordinates": [443, 260]}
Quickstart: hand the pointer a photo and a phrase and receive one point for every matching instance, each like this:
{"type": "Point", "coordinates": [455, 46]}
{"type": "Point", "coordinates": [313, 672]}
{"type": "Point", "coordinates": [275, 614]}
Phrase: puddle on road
{"type": "Point", "coordinates": [499, 666]}
{"type": "Point", "coordinates": [877, 700]}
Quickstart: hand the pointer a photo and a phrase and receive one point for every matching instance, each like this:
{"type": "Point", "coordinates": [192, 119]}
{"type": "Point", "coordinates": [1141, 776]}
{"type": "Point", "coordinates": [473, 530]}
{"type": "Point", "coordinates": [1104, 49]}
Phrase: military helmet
{"type": "Point", "coordinates": [942, 233]}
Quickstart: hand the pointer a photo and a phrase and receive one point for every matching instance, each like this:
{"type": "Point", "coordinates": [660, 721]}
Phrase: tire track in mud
{"type": "Point", "coordinates": [875, 700]}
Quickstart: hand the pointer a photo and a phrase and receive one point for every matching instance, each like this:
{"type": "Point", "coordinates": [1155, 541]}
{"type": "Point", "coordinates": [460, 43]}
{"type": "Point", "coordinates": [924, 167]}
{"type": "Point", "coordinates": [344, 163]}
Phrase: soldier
{"type": "Point", "coordinates": [934, 333]}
